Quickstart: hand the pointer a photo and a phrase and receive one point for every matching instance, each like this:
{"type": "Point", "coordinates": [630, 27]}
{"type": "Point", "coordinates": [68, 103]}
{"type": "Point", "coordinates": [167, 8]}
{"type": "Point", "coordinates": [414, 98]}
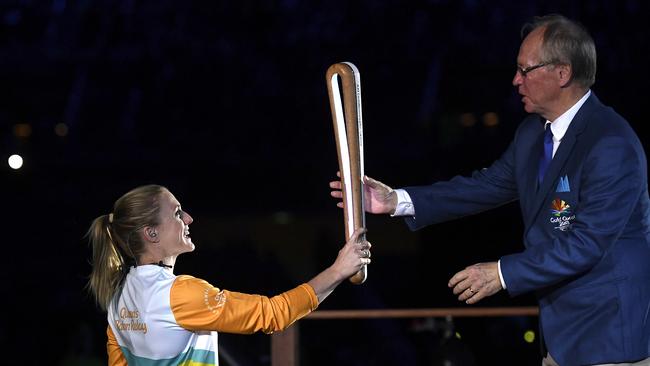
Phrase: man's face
{"type": "Point", "coordinates": [538, 86]}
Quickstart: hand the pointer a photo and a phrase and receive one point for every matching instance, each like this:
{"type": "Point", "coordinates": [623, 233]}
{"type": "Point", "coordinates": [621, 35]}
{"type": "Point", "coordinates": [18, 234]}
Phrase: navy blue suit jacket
{"type": "Point", "coordinates": [586, 236]}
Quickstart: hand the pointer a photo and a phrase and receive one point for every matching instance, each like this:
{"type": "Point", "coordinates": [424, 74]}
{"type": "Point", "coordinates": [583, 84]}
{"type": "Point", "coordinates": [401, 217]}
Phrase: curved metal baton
{"type": "Point", "coordinates": [348, 131]}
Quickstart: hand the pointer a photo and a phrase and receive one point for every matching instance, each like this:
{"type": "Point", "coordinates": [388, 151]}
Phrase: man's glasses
{"type": "Point", "coordinates": [523, 71]}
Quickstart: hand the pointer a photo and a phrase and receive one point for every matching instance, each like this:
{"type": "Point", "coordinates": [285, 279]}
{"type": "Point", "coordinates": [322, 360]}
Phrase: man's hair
{"type": "Point", "coordinates": [566, 42]}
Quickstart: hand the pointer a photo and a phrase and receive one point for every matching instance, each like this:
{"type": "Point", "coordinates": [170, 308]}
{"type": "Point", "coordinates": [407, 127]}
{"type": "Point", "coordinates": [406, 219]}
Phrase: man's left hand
{"type": "Point", "coordinates": [476, 282]}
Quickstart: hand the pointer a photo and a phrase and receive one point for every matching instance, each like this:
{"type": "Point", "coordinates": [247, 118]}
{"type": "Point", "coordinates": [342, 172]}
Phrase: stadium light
{"type": "Point", "coordinates": [15, 161]}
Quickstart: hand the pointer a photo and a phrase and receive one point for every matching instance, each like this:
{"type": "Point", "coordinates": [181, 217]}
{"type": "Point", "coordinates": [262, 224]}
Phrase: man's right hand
{"type": "Point", "coordinates": [378, 197]}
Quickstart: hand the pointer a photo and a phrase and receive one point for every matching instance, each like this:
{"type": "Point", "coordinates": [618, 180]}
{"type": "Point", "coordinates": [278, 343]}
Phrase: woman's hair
{"type": "Point", "coordinates": [116, 241]}
{"type": "Point", "coordinates": [566, 42]}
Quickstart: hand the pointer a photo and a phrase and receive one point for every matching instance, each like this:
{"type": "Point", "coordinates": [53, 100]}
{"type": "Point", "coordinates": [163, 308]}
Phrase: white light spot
{"type": "Point", "coordinates": [15, 161]}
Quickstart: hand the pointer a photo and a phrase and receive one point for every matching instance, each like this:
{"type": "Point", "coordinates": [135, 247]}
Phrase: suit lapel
{"type": "Point", "coordinates": [561, 157]}
{"type": "Point", "coordinates": [533, 166]}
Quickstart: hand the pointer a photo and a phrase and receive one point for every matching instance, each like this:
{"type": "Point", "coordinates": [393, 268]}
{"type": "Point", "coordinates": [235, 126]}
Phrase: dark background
{"type": "Point", "coordinates": [225, 103]}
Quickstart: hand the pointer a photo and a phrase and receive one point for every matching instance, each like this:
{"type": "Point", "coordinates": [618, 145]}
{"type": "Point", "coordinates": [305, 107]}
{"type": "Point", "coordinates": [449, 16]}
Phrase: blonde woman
{"type": "Point", "coordinates": [157, 317]}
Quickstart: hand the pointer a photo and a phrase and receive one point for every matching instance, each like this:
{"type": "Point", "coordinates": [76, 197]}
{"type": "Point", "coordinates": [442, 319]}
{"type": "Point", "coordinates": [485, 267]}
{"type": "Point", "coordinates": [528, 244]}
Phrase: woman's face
{"type": "Point", "coordinates": [174, 228]}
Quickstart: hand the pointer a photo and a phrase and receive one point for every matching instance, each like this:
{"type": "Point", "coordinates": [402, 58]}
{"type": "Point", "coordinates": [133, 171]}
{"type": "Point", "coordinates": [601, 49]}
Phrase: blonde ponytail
{"type": "Point", "coordinates": [109, 264]}
{"type": "Point", "coordinates": [116, 242]}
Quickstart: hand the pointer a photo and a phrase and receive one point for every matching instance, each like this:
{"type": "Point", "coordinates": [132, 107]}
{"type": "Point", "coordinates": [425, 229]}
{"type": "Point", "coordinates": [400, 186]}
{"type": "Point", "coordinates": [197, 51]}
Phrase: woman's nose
{"type": "Point", "coordinates": [187, 219]}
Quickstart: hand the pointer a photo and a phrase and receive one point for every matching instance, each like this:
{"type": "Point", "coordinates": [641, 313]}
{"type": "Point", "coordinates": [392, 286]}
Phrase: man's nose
{"type": "Point", "coordinates": [517, 79]}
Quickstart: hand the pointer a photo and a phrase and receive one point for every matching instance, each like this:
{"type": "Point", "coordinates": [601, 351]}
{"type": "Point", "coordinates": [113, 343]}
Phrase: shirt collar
{"type": "Point", "coordinates": [561, 124]}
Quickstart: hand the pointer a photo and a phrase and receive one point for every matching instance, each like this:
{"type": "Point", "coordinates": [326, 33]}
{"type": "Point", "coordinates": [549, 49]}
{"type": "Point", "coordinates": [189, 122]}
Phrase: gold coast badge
{"type": "Point", "coordinates": [561, 216]}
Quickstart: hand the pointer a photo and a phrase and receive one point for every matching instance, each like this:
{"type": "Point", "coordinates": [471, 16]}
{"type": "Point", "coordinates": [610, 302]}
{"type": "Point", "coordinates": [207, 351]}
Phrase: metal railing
{"type": "Point", "coordinates": [285, 345]}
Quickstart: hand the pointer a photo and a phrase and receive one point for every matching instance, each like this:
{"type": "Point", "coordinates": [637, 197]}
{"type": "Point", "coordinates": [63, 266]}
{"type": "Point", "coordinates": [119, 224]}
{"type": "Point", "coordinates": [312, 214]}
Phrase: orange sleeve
{"type": "Point", "coordinates": [197, 305]}
{"type": "Point", "coordinates": [115, 355]}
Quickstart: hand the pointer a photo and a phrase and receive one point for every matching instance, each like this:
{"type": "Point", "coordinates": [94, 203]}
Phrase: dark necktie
{"type": "Point", "coordinates": [547, 155]}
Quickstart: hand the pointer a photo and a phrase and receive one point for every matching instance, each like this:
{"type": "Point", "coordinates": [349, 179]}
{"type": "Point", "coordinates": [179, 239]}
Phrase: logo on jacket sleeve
{"type": "Point", "coordinates": [563, 184]}
{"type": "Point", "coordinates": [561, 215]}
{"type": "Point", "coordinates": [214, 298]}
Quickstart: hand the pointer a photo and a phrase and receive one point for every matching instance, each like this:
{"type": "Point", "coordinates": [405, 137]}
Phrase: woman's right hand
{"type": "Point", "coordinates": [353, 256]}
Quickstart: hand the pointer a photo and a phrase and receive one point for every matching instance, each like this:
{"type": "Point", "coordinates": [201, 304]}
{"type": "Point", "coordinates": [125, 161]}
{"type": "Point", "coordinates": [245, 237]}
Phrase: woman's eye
{"type": "Point", "coordinates": [179, 213]}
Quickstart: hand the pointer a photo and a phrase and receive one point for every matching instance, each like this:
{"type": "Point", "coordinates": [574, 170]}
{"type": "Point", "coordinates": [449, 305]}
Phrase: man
{"type": "Point", "coordinates": [580, 175]}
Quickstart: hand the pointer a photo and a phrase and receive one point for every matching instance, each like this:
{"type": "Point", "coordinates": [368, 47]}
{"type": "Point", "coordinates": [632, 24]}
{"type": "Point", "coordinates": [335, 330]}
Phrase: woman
{"type": "Point", "coordinates": [156, 317]}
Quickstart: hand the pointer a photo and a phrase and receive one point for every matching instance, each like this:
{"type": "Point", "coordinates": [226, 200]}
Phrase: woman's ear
{"type": "Point", "coordinates": [150, 234]}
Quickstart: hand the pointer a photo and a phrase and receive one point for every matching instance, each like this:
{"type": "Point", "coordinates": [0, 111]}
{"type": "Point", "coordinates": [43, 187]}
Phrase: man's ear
{"type": "Point", "coordinates": [150, 234]}
{"type": "Point", "coordinates": [566, 74]}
